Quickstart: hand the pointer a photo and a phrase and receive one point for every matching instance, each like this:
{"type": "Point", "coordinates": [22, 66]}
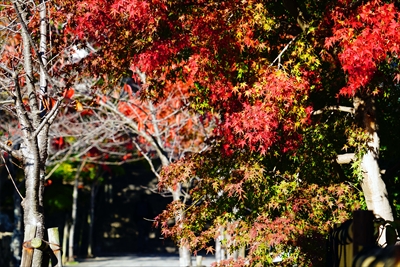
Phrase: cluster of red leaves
{"type": "Point", "coordinates": [192, 50]}
{"type": "Point", "coordinates": [102, 23]}
{"type": "Point", "coordinates": [269, 116]}
{"type": "Point", "coordinates": [367, 36]}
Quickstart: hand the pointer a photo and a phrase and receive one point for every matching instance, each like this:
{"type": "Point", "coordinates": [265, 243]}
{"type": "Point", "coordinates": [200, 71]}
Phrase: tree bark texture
{"type": "Point", "coordinates": [34, 121]}
{"type": "Point", "coordinates": [373, 186]}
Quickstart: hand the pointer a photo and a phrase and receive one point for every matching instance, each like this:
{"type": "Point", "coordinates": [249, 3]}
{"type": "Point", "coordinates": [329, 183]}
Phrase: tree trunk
{"type": "Point", "coordinates": [32, 204]}
{"type": "Point", "coordinates": [223, 251]}
{"type": "Point", "coordinates": [156, 142]}
{"type": "Point", "coordinates": [16, 241]}
{"type": "Point", "coordinates": [65, 239]}
{"type": "Point", "coordinates": [185, 257]}
{"type": "Point", "coordinates": [373, 186]}
{"type": "Point", "coordinates": [34, 123]}
{"type": "Point", "coordinates": [73, 222]}
{"type": "Point", "coordinates": [93, 193]}
{"type": "Point", "coordinates": [220, 251]}
{"type": "Point", "coordinates": [74, 213]}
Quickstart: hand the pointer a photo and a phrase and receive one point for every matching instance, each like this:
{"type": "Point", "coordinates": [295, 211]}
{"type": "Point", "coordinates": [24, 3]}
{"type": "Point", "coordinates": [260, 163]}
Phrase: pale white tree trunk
{"type": "Point", "coordinates": [65, 239]}
{"type": "Point", "coordinates": [16, 242]}
{"type": "Point", "coordinates": [73, 221]}
{"type": "Point", "coordinates": [223, 252]}
{"type": "Point", "coordinates": [156, 142]}
{"type": "Point", "coordinates": [220, 250]}
{"type": "Point", "coordinates": [93, 192]}
{"type": "Point", "coordinates": [74, 213]}
{"type": "Point", "coordinates": [373, 186]}
{"type": "Point", "coordinates": [185, 256]}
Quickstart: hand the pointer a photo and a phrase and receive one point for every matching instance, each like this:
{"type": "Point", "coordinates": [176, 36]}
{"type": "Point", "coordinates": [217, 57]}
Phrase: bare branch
{"type": "Point", "coordinates": [345, 158]}
{"type": "Point", "coordinates": [148, 160]}
{"type": "Point", "coordinates": [12, 178]}
{"type": "Point", "coordinates": [281, 53]}
{"type": "Point", "coordinates": [27, 59]}
{"type": "Point", "coordinates": [48, 118]}
{"type": "Point", "coordinates": [21, 111]}
{"type": "Point", "coordinates": [37, 53]}
{"type": "Point", "coordinates": [334, 108]}
{"type": "Point", "coordinates": [6, 69]}
{"type": "Point", "coordinates": [6, 102]}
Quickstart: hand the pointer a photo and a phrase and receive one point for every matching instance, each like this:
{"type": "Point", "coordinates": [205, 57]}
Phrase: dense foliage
{"type": "Point", "coordinates": [273, 74]}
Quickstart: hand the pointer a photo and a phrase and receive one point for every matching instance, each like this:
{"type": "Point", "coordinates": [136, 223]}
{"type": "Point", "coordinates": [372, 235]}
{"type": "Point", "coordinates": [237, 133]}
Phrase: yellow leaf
{"type": "Point", "coordinates": [243, 85]}
{"type": "Point", "coordinates": [259, 6]}
{"type": "Point", "coordinates": [79, 106]}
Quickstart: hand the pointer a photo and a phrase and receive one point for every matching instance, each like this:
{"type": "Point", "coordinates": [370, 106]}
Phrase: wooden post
{"type": "Point", "coordinates": [363, 230]}
{"type": "Point", "coordinates": [54, 241]}
{"type": "Point", "coordinates": [343, 236]}
{"type": "Point", "coordinates": [27, 249]}
{"type": "Point", "coordinates": [199, 261]}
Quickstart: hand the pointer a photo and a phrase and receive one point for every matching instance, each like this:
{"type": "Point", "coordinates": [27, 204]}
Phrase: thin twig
{"type": "Point", "coordinates": [283, 51]}
{"type": "Point", "coordinates": [48, 118]}
{"type": "Point", "coordinates": [12, 179]}
{"type": "Point", "coordinates": [148, 159]}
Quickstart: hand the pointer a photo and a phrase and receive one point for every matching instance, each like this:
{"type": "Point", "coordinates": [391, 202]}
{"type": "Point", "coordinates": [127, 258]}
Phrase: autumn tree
{"type": "Point", "coordinates": [27, 82]}
{"type": "Point", "coordinates": [161, 132]}
{"type": "Point", "coordinates": [36, 73]}
{"type": "Point", "coordinates": [85, 144]}
{"type": "Point", "coordinates": [164, 129]}
{"type": "Point", "coordinates": [293, 85]}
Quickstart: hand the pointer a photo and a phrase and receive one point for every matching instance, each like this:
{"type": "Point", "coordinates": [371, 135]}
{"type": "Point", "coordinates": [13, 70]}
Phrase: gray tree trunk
{"type": "Point", "coordinates": [155, 141]}
{"type": "Point", "coordinates": [34, 122]}
{"type": "Point", "coordinates": [33, 203]}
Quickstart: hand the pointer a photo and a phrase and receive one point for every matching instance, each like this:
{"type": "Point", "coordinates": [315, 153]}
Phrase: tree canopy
{"type": "Point", "coordinates": [294, 87]}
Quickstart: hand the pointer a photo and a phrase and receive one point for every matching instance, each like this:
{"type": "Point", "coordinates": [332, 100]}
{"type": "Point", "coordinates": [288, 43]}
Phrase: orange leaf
{"type": "Point", "coordinates": [69, 93]}
{"type": "Point", "coordinates": [140, 126]}
{"type": "Point", "coordinates": [128, 89]}
{"type": "Point", "coordinates": [397, 77]}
